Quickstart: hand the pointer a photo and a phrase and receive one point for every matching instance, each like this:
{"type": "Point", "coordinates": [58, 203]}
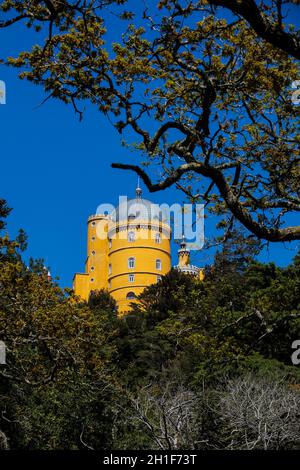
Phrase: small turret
{"type": "Point", "coordinates": [183, 254]}
{"type": "Point", "coordinates": [184, 262]}
{"type": "Point", "coordinates": [138, 190]}
{"type": "Point", "coordinates": [47, 273]}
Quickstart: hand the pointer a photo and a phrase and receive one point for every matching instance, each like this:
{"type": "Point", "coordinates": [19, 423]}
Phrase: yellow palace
{"type": "Point", "coordinates": [128, 250]}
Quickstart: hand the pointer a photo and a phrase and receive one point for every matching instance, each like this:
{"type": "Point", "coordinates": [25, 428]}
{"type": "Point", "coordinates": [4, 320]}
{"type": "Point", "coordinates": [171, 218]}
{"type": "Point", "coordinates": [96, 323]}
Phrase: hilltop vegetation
{"type": "Point", "coordinates": [200, 365]}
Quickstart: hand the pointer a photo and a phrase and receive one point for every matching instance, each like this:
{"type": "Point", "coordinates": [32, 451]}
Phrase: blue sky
{"type": "Point", "coordinates": [56, 171]}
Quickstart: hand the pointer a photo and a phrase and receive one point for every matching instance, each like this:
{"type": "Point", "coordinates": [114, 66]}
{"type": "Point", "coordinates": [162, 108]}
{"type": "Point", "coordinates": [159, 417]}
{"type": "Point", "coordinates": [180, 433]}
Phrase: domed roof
{"type": "Point", "coordinates": [138, 209]}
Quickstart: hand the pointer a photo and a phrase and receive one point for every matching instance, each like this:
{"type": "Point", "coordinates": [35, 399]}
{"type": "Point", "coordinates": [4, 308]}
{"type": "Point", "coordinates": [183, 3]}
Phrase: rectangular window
{"type": "Point", "coordinates": [131, 236]}
{"type": "Point", "coordinates": [131, 277]}
{"type": "Point", "coordinates": [158, 264]}
{"type": "Point", "coordinates": [109, 269]}
{"type": "Point", "coordinates": [131, 263]}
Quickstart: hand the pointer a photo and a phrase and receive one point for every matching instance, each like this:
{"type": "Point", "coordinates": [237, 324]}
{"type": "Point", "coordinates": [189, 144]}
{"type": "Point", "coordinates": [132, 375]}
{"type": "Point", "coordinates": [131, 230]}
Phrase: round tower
{"type": "Point", "coordinates": [96, 261]}
{"type": "Point", "coordinates": [95, 275]}
{"type": "Point", "coordinates": [138, 249]}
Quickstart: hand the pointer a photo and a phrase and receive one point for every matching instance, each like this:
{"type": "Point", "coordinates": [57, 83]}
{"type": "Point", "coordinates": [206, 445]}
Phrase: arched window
{"type": "Point", "coordinates": [131, 236]}
{"type": "Point", "coordinates": [131, 263]}
{"type": "Point", "coordinates": [130, 296]}
{"type": "Point", "coordinates": [157, 238]}
{"type": "Point", "coordinates": [158, 264]}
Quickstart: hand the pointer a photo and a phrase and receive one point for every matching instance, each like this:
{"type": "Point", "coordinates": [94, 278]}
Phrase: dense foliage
{"type": "Point", "coordinates": [200, 365]}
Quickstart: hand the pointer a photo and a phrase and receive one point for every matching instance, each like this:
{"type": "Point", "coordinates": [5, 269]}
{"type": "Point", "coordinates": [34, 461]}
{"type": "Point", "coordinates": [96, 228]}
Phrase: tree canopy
{"type": "Point", "coordinates": [203, 89]}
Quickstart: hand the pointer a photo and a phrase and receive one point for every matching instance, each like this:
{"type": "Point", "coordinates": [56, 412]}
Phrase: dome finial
{"type": "Point", "coordinates": [138, 190]}
{"type": "Point", "coordinates": [183, 243]}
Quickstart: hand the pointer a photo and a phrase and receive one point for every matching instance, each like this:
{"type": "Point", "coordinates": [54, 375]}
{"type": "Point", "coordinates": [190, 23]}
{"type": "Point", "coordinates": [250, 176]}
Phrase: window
{"type": "Point", "coordinates": [92, 268]}
{"type": "Point", "coordinates": [158, 278]}
{"type": "Point", "coordinates": [109, 269]}
{"type": "Point", "coordinates": [110, 242]}
{"type": "Point", "coordinates": [93, 224]}
{"type": "Point", "coordinates": [131, 236]}
{"type": "Point", "coordinates": [131, 263]}
{"type": "Point", "coordinates": [93, 239]}
{"type": "Point", "coordinates": [131, 277]}
{"type": "Point", "coordinates": [158, 264]}
{"type": "Point", "coordinates": [157, 238]}
{"type": "Point", "coordinates": [93, 252]}
{"type": "Point", "coordinates": [92, 279]}
{"type": "Point", "coordinates": [130, 296]}
{"type": "Point", "coordinates": [109, 284]}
